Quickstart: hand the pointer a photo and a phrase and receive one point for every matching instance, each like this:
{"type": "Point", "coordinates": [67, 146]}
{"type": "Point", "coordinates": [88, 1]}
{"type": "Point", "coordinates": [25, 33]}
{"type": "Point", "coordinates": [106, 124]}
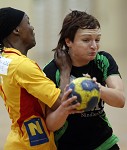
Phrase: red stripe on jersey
{"type": "Point", "coordinates": [11, 52]}
{"type": "Point", "coordinates": [29, 106]}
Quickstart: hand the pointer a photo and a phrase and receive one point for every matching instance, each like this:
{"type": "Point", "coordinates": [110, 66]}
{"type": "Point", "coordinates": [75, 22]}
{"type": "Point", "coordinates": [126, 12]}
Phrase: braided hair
{"type": "Point", "coordinates": [10, 18]}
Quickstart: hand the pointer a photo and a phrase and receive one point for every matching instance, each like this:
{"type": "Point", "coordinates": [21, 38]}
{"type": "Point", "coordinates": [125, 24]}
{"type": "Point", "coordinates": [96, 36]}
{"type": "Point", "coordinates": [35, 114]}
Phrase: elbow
{"type": "Point", "coordinates": [53, 127]}
{"type": "Point", "coordinates": [50, 127]}
{"type": "Point", "coordinates": [122, 105]}
{"type": "Point", "coordinates": [123, 102]}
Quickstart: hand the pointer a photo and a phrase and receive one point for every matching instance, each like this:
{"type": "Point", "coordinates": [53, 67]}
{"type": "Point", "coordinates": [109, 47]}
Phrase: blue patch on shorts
{"type": "Point", "coordinates": [36, 132]}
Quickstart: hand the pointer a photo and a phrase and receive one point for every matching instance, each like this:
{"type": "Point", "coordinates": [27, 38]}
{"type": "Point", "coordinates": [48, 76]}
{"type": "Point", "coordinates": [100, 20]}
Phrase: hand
{"type": "Point", "coordinates": [67, 105]}
{"type": "Point", "coordinates": [98, 84]}
{"type": "Point", "coordinates": [86, 75]}
{"type": "Point", "coordinates": [94, 79]}
{"type": "Point", "coordinates": [63, 60]}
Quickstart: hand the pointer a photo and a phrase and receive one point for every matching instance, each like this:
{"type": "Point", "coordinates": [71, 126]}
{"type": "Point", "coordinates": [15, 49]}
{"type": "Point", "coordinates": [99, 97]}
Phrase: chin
{"type": "Point", "coordinates": [31, 46]}
{"type": "Point", "coordinates": [34, 44]}
{"type": "Point", "coordinates": [92, 58]}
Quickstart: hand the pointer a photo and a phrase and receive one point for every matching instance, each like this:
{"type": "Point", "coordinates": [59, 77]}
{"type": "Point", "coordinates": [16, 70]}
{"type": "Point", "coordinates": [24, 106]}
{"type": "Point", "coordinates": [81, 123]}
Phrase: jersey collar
{"type": "Point", "coordinates": [12, 50]}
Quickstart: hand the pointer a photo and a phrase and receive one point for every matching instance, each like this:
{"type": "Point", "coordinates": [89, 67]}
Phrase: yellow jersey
{"type": "Point", "coordinates": [26, 90]}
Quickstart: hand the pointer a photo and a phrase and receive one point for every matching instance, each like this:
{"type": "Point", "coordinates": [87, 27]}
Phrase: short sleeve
{"type": "Point", "coordinates": [29, 76]}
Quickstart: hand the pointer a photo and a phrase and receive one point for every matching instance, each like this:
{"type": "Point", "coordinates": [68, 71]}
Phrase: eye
{"type": "Point", "coordinates": [86, 40]}
{"type": "Point", "coordinates": [97, 40]}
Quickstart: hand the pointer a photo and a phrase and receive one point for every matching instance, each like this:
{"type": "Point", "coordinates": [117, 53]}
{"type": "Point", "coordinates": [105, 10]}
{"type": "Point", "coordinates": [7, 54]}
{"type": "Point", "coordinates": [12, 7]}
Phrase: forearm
{"type": "Point", "coordinates": [113, 97]}
{"type": "Point", "coordinates": [64, 80]}
{"type": "Point", "coordinates": [56, 119]}
{"type": "Point", "coordinates": [63, 62]}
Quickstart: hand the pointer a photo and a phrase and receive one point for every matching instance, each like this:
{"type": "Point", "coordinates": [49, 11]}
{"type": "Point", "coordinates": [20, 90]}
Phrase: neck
{"type": "Point", "coordinates": [9, 44]}
{"type": "Point", "coordinates": [24, 52]}
{"type": "Point", "coordinates": [80, 64]}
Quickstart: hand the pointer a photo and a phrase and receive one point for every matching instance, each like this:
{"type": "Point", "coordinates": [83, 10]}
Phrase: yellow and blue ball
{"type": "Point", "coordinates": [87, 92]}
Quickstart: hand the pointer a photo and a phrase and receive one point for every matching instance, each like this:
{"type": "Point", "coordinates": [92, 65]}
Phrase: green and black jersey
{"type": "Point", "coordinates": [89, 130]}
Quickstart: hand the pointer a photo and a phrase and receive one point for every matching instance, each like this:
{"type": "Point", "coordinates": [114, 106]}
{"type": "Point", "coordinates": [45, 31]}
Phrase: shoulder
{"type": "Point", "coordinates": [105, 58]}
{"type": "Point", "coordinates": [103, 55]}
{"type": "Point", "coordinates": [106, 63]}
{"type": "Point", "coordinates": [28, 67]}
{"type": "Point", "coordinates": [27, 64]}
{"type": "Point", "coordinates": [50, 70]}
{"type": "Point", "coordinates": [49, 65]}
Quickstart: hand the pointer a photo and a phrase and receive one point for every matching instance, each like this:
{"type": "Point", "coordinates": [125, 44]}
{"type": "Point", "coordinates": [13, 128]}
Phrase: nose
{"type": "Point", "coordinates": [93, 44]}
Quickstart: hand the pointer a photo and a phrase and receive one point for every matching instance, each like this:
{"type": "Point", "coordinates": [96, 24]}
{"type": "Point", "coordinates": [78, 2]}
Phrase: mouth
{"type": "Point", "coordinates": [92, 54]}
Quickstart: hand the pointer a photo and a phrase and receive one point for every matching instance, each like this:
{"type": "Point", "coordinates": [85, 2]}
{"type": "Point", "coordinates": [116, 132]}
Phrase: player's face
{"type": "Point", "coordinates": [85, 46]}
{"type": "Point", "coordinates": [26, 33]}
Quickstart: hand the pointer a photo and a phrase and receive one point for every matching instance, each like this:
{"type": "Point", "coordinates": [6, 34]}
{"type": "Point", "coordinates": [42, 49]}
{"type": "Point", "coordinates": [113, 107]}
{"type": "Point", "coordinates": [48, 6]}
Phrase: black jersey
{"type": "Point", "coordinates": [88, 130]}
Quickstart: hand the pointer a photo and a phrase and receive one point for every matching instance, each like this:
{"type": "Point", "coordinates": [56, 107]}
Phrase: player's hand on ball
{"type": "Point", "coordinates": [87, 92]}
{"type": "Point", "coordinates": [98, 84]}
{"type": "Point", "coordinates": [67, 103]}
{"type": "Point", "coordinates": [94, 79]}
{"type": "Point", "coordinates": [86, 75]}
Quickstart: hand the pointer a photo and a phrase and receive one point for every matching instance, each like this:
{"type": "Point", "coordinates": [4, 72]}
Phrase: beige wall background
{"type": "Point", "coordinates": [47, 15]}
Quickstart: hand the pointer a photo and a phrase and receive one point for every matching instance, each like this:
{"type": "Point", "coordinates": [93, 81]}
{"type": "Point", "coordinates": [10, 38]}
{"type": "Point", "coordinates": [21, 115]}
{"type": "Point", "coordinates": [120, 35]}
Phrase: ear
{"type": "Point", "coordinates": [68, 42]}
{"type": "Point", "coordinates": [16, 31]}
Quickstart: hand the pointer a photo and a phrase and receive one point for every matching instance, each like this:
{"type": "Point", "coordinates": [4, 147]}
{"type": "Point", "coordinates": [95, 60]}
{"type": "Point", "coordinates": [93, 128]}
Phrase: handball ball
{"type": "Point", "coordinates": [87, 92]}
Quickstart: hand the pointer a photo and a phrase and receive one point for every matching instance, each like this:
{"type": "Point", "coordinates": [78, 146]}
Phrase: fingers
{"type": "Point", "coordinates": [66, 94]}
{"type": "Point", "coordinates": [62, 60]}
{"type": "Point", "coordinates": [66, 88]}
{"type": "Point", "coordinates": [59, 53]}
{"type": "Point", "coordinates": [67, 103]}
{"type": "Point", "coordinates": [86, 75]}
{"type": "Point", "coordinates": [94, 80]}
{"type": "Point", "coordinates": [69, 107]}
{"type": "Point", "coordinates": [99, 86]}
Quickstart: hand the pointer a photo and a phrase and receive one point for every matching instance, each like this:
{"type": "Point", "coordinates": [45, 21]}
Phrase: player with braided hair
{"type": "Point", "coordinates": [24, 87]}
